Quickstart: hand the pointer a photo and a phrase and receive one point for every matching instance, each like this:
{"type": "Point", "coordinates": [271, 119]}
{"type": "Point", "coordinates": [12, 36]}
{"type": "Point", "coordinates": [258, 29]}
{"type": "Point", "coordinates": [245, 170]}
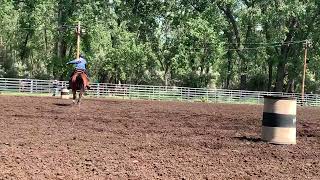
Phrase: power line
{"type": "Point", "coordinates": [44, 28]}
{"type": "Point", "coordinates": [279, 44]}
{"type": "Point", "coordinates": [262, 47]}
{"type": "Point", "coordinates": [266, 43]}
{"type": "Point", "coordinates": [258, 43]}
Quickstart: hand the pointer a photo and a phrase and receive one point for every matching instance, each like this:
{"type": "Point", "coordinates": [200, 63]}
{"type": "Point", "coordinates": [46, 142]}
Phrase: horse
{"type": "Point", "coordinates": [79, 82]}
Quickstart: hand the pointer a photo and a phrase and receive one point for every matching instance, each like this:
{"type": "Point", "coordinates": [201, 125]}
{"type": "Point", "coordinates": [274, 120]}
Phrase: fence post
{"type": "Point", "coordinates": [123, 91]}
{"type": "Point", "coordinates": [36, 86]}
{"type": "Point", "coordinates": [207, 95]}
{"type": "Point", "coordinates": [31, 86]}
{"type": "Point", "coordinates": [20, 85]}
{"type": "Point", "coordinates": [215, 95]}
{"type": "Point", "coordinates": [106, 89]}
{"type": "Point", "coordinates": [129, 91]}
{"type": "Point", "coordinates": [98, 90]}
{"type": "Point", "coordinates": [307, 100]}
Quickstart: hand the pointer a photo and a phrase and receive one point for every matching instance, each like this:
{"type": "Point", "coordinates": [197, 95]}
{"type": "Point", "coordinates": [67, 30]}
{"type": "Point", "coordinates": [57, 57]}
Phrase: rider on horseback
{"type": "Point", "coordinates": [80, 65]}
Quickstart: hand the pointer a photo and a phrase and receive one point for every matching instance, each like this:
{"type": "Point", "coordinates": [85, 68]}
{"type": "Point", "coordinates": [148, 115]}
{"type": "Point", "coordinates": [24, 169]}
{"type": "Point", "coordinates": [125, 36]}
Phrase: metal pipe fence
{"type": "Point", "coordinates": [130, 91]}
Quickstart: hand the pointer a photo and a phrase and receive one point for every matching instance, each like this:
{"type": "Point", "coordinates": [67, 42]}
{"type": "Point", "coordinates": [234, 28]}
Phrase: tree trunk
{"type": "Point", "coordinates": [229, 69]}
{"type": "Point", "coordinates": [2, 52]}
{"type": "Point", "coordinates": [270, 58]}
{"type": "Point", "coordinates": [166, 77]}
{"type": "Point", "coordinates": [61, 45]}
{"type": "Point", "coordinates": [270, 72]}
{"type": "Point", "coordinates": [280, 76]}
{"type": "Point", "coordinates": [243, 81]}
{"type": "Point", "coordinates": [284, 55]}
{"type": "Point", "coordinates": [23, 53]}
{"type": "Point", "coordinates": [236, 35]}
{"type": "Point", "coordinates": [229, 57]}
{"type": "Point", "coordinates": [291, 85]}
{"type": "Point", "coordinates": [244, 63]}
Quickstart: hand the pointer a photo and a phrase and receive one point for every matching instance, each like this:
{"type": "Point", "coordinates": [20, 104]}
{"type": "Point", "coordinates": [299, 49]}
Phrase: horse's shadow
{"type": "Point", "coordinates": [62, 105]}
{"type": "Point", "coordinates": [250, 139]}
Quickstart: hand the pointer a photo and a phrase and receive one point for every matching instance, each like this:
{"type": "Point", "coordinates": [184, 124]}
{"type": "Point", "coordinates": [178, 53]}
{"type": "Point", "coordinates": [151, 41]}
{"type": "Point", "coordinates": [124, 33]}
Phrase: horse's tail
{"type": "Point", "coordinates": [77, 81]}
{"type": "Point", "coordinates": [80, 82]}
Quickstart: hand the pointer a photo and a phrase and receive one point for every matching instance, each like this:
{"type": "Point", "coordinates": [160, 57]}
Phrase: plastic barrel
{"type": "Point", "coordinates": [65, 93]}
{"type": "Point", "coordinates": [279, 120]}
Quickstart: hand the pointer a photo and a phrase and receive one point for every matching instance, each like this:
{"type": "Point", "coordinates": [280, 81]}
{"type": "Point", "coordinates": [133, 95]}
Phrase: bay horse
{"type": "Point", "coordinates": [79, 82]}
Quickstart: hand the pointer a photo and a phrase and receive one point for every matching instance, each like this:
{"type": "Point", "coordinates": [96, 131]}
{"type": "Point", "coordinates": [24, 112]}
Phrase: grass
{"type": "Point", "coordinates": [8, 93]}
{"type": "Point", "coordinates": [151, 96]}
{"type": "Point", "coordinates": [146, 96]}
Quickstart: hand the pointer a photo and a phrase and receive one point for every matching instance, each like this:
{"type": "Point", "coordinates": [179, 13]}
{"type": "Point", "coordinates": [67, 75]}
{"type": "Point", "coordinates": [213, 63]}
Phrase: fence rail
{"type": "Point", "coordinates": [153, 92]}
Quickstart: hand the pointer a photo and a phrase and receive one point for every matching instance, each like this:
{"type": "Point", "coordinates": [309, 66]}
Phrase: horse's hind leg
{"type": "Point", "coordinates": [80, 95]}
{"type": "Point", "coordinates": [74, 96]}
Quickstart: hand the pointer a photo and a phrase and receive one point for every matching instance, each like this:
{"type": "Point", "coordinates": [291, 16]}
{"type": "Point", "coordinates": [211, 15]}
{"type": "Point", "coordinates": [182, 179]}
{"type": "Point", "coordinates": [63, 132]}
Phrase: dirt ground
{"type": "Point", "coordinates": [48, 138]}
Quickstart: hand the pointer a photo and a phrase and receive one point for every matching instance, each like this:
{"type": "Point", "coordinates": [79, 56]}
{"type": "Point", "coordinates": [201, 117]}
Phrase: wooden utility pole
{"type": "Point", "coordinates": [78, 40]}
{"type": "Point", "coordinates": [306, 45]}
{"type": "Point", "coordinates": [2, 51]}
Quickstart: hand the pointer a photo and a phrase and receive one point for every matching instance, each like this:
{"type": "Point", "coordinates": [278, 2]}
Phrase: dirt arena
{"type": "Point", "coordinates": [48, 138]}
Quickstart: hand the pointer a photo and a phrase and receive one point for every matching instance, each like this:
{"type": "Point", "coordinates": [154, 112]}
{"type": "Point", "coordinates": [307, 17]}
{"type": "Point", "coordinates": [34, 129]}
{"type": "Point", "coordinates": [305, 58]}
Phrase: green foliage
{"type": "Point", "coordinates": [224, 43]}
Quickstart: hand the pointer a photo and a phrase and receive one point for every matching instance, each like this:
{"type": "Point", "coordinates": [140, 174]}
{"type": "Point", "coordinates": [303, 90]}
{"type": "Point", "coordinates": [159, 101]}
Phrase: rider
{"type": "Point", "coordinates": [80, 64]}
